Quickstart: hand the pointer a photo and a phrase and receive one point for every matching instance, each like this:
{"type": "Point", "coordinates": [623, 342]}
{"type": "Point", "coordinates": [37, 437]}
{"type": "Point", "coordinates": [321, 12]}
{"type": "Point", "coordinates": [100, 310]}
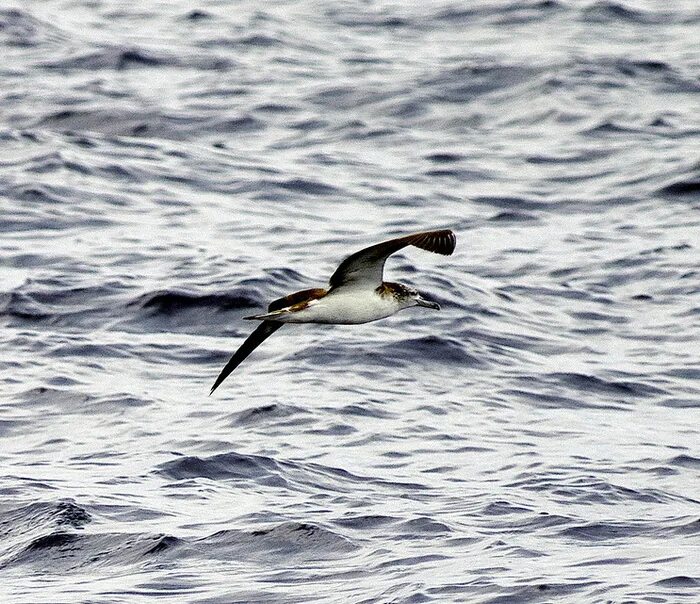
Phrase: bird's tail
{"type": "Point", "coordinates": [275, 315]}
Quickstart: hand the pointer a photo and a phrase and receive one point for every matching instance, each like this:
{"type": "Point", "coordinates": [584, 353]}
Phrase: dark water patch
{"type": "Point", "coordinates": [468, 82]}
{"type": "Point", "coordinates": [444, 158]}
{"type": "Point", "coordinates": [681, 188]}
{"type": "Point", "coordinates": [612, 12]}
{"type": "Point", "coordinates": [346, 98]}
{"type": "Point", "coordinates": [107, 121]}
{"type": "Point", "coordinates": [680, 403]}
{"type": "Point", "coordinates": [634, 68]}
{"type": "Point", "coordinates": [541, 592]}
{"type": "Point", "coordinates": [595, 491]}
{"type": "Point", "coordinates": [368, 21]}
{"type": "Point", "coordinates": [59, 304]}
{"type": "Point", "coordinates": [604, 531]}
{"type": "Point", "coordinates": [307, 125]}
{"type": "Point", "coordinates": [198, 15]}
{"type": "Point", "coordinates": [26, 531]}
{"type": "Point", "coordinates": [271, 413]}
{"type": "Point", "coordinates": [184, 311]}
{"type": "Point", "coordinates": [405, 110]}
{"type": "Point", "coordinates": [247, 42]}
{"type": "Point", "coordinates": [69, 552]}
{"type": "Point", "coordinates": [512, 217]}
{"type": "Point", "coordinates": [115, 58]}
{"type": "Point", "coordinates": [573, 157]}
{"type": "Point", "coordinates": [368, 134]}
{"type": "Point", "coordinates": [335, 429]}
{"type": "Point", "coordinates": [263, 470]}
{"type": "Point", "coordinates": [132, 57]}
{"type": "Point", "coordinates": [22, 307]}
{"type": "Point", "coordinates": [686, 461]}
{"type": "Point", "coordinates": [149, 123]}
{"type": "Point", "coordinates": [54, 540]}
{"type": "Point", "coordinates": [419, 527]}
{"type": "Point", "coordinates": [365, 522]}
{"type": "Point", "coordinates": [260, 41]}
{"type": "Point", "coordinates": [459, 174]}
{"type": "Point", "coordinates": [226, 466]}
{"type": "Point", "coordinates": [513, 204]}
{"type": "Point", "coordinates": [412, 561]}
{"type": "Point", "coordinates": [521, 552]}
{"type": "Point", "coordinates": [118, 402]}
{"type": "Point", "coordinates": [679, 582]}
{"type": "Point", "coordinates": [11, 426]}
{"type": "Point", "coordinates": [687, 528]}
{"type": "Point", "coordinates": [348, 481]}
{"type": "Point", "coordinates": [535, 11]}
{"type": "Point", "coordinates": [590, 490]}
{"type": "Point", "coordinates": [57, 293]}
{"type": "Point", "coordinates": [546, 400]}
{"type": "Point", "coordinates": [509, 12]}
{"type": "Point", "coordinates": [237, 125]}
{"type": "Point", "coordinates": [55, 398]}
{"type": "Point", "coordinates": [591, 383]}
{"type": "Point", "coordinates": [287, 276]}
{"type": "Point", "coordinates": [308, 187]}
{"type": "Point", "coordinates": [169, 302]}
{"type": "Point", "coordinates": [610, 127]}
{"type": "Point", "coordinates": [295, 540]}
{"type": "Point", "coordinates": [19, 28]}
{"type": "Point", "coordinates": [432, 349]}
{"type": "Point", "coordinates": [663, 249]}
{"type": "Point", "coordinates": [276, 108]}
{"type": "Point", "coordinates": [367, 409]}
{"type": "Point", "coordinates": [590, 316]}
{"type": "Point", "coordinates": [526, 523]}
{"type": "Point", "coordinates": [38, 193]}
{"type": "Point", "coordinates": [605, 562]}
{"type": "Point", "coordinates": [561, 290]}
{"type": "Point", "coordinates": [64, 513]}
{"type": "Point", "coordinates": [501, 508]}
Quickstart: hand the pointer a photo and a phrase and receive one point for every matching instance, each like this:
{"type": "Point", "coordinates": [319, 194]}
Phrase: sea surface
{"type": "Point", "coordinates": [169, 167]}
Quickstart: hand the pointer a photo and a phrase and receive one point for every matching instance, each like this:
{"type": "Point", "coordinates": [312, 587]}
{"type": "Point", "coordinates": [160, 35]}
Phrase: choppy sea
{"type": "Point", "coordinates": [169, 167]}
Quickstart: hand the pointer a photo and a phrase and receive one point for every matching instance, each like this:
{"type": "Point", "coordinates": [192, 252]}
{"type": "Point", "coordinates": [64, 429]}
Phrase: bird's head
{"type": "Point", "coordinates": [407, 296]}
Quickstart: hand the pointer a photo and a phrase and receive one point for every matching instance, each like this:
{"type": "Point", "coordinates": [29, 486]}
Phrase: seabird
{"type": "Point", "coordinates": [356, 294]}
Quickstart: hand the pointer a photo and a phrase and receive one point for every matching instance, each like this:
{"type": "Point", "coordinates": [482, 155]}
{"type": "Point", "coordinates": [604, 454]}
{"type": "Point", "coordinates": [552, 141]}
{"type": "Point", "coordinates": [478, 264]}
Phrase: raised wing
{"type": "Point", "coordinates": [366, 267]}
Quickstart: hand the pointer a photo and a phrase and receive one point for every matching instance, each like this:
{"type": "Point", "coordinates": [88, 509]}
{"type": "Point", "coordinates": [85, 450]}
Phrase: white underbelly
{"type": "Point", "coordinates": [345, 309]}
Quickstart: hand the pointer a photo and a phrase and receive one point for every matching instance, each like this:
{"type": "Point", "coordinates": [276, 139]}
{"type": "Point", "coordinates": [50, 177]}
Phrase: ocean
{"type": "Point", "coordinates": [171, 167]}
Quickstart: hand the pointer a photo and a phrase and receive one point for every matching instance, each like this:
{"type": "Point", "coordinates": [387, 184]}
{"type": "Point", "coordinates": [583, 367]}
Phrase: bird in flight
{"type": "Point", "coordinates": [357, 293]}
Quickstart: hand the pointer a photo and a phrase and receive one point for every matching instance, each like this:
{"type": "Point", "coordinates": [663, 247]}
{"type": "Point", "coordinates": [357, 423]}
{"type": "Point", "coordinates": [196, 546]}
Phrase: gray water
{"type": "Point", "coordinates": [168, 168]}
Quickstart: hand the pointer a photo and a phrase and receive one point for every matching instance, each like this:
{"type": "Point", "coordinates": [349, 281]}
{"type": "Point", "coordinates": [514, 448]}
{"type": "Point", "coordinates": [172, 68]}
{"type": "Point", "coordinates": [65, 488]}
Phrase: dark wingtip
{"type": "Point", "coordinates": [259, 335]}
{"type": "Point", "coordinates": [442, 242]}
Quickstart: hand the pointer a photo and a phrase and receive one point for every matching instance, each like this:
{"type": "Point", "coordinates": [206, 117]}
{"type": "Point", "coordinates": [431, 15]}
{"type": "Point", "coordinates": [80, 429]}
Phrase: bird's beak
{"type": "Point", "coordinates": [427, 303]}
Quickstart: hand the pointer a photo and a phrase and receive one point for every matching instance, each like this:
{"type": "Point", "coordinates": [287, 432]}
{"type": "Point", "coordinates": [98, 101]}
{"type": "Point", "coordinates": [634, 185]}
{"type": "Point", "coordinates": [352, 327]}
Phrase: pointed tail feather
{"type": "Point", "coordinates": [261, 333]}
{"type": "Point", "coordinates": [271, 316]}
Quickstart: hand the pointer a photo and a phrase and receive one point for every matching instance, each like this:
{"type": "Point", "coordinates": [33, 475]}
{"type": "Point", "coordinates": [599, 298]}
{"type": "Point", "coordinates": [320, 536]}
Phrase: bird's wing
{"type": "Point", "coordinates": [265, 330]}
{"type": "Point", "coordinates": [366, 267]}
{"type": "Point", "coordinates": [261, 333]}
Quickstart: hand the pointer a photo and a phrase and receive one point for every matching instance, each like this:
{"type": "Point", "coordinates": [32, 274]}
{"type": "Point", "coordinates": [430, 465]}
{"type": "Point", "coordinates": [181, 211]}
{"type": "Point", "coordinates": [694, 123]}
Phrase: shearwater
{"type": "Point", "coordinates": [357, 293]}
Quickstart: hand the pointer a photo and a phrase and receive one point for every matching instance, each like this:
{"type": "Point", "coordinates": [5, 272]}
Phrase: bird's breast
{"type": "Point", "coordinates": [347, 308]}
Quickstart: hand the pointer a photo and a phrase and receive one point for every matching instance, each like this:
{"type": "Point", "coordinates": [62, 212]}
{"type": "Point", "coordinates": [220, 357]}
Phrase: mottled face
{"type": "Point", "coordinates": [407, 296]}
